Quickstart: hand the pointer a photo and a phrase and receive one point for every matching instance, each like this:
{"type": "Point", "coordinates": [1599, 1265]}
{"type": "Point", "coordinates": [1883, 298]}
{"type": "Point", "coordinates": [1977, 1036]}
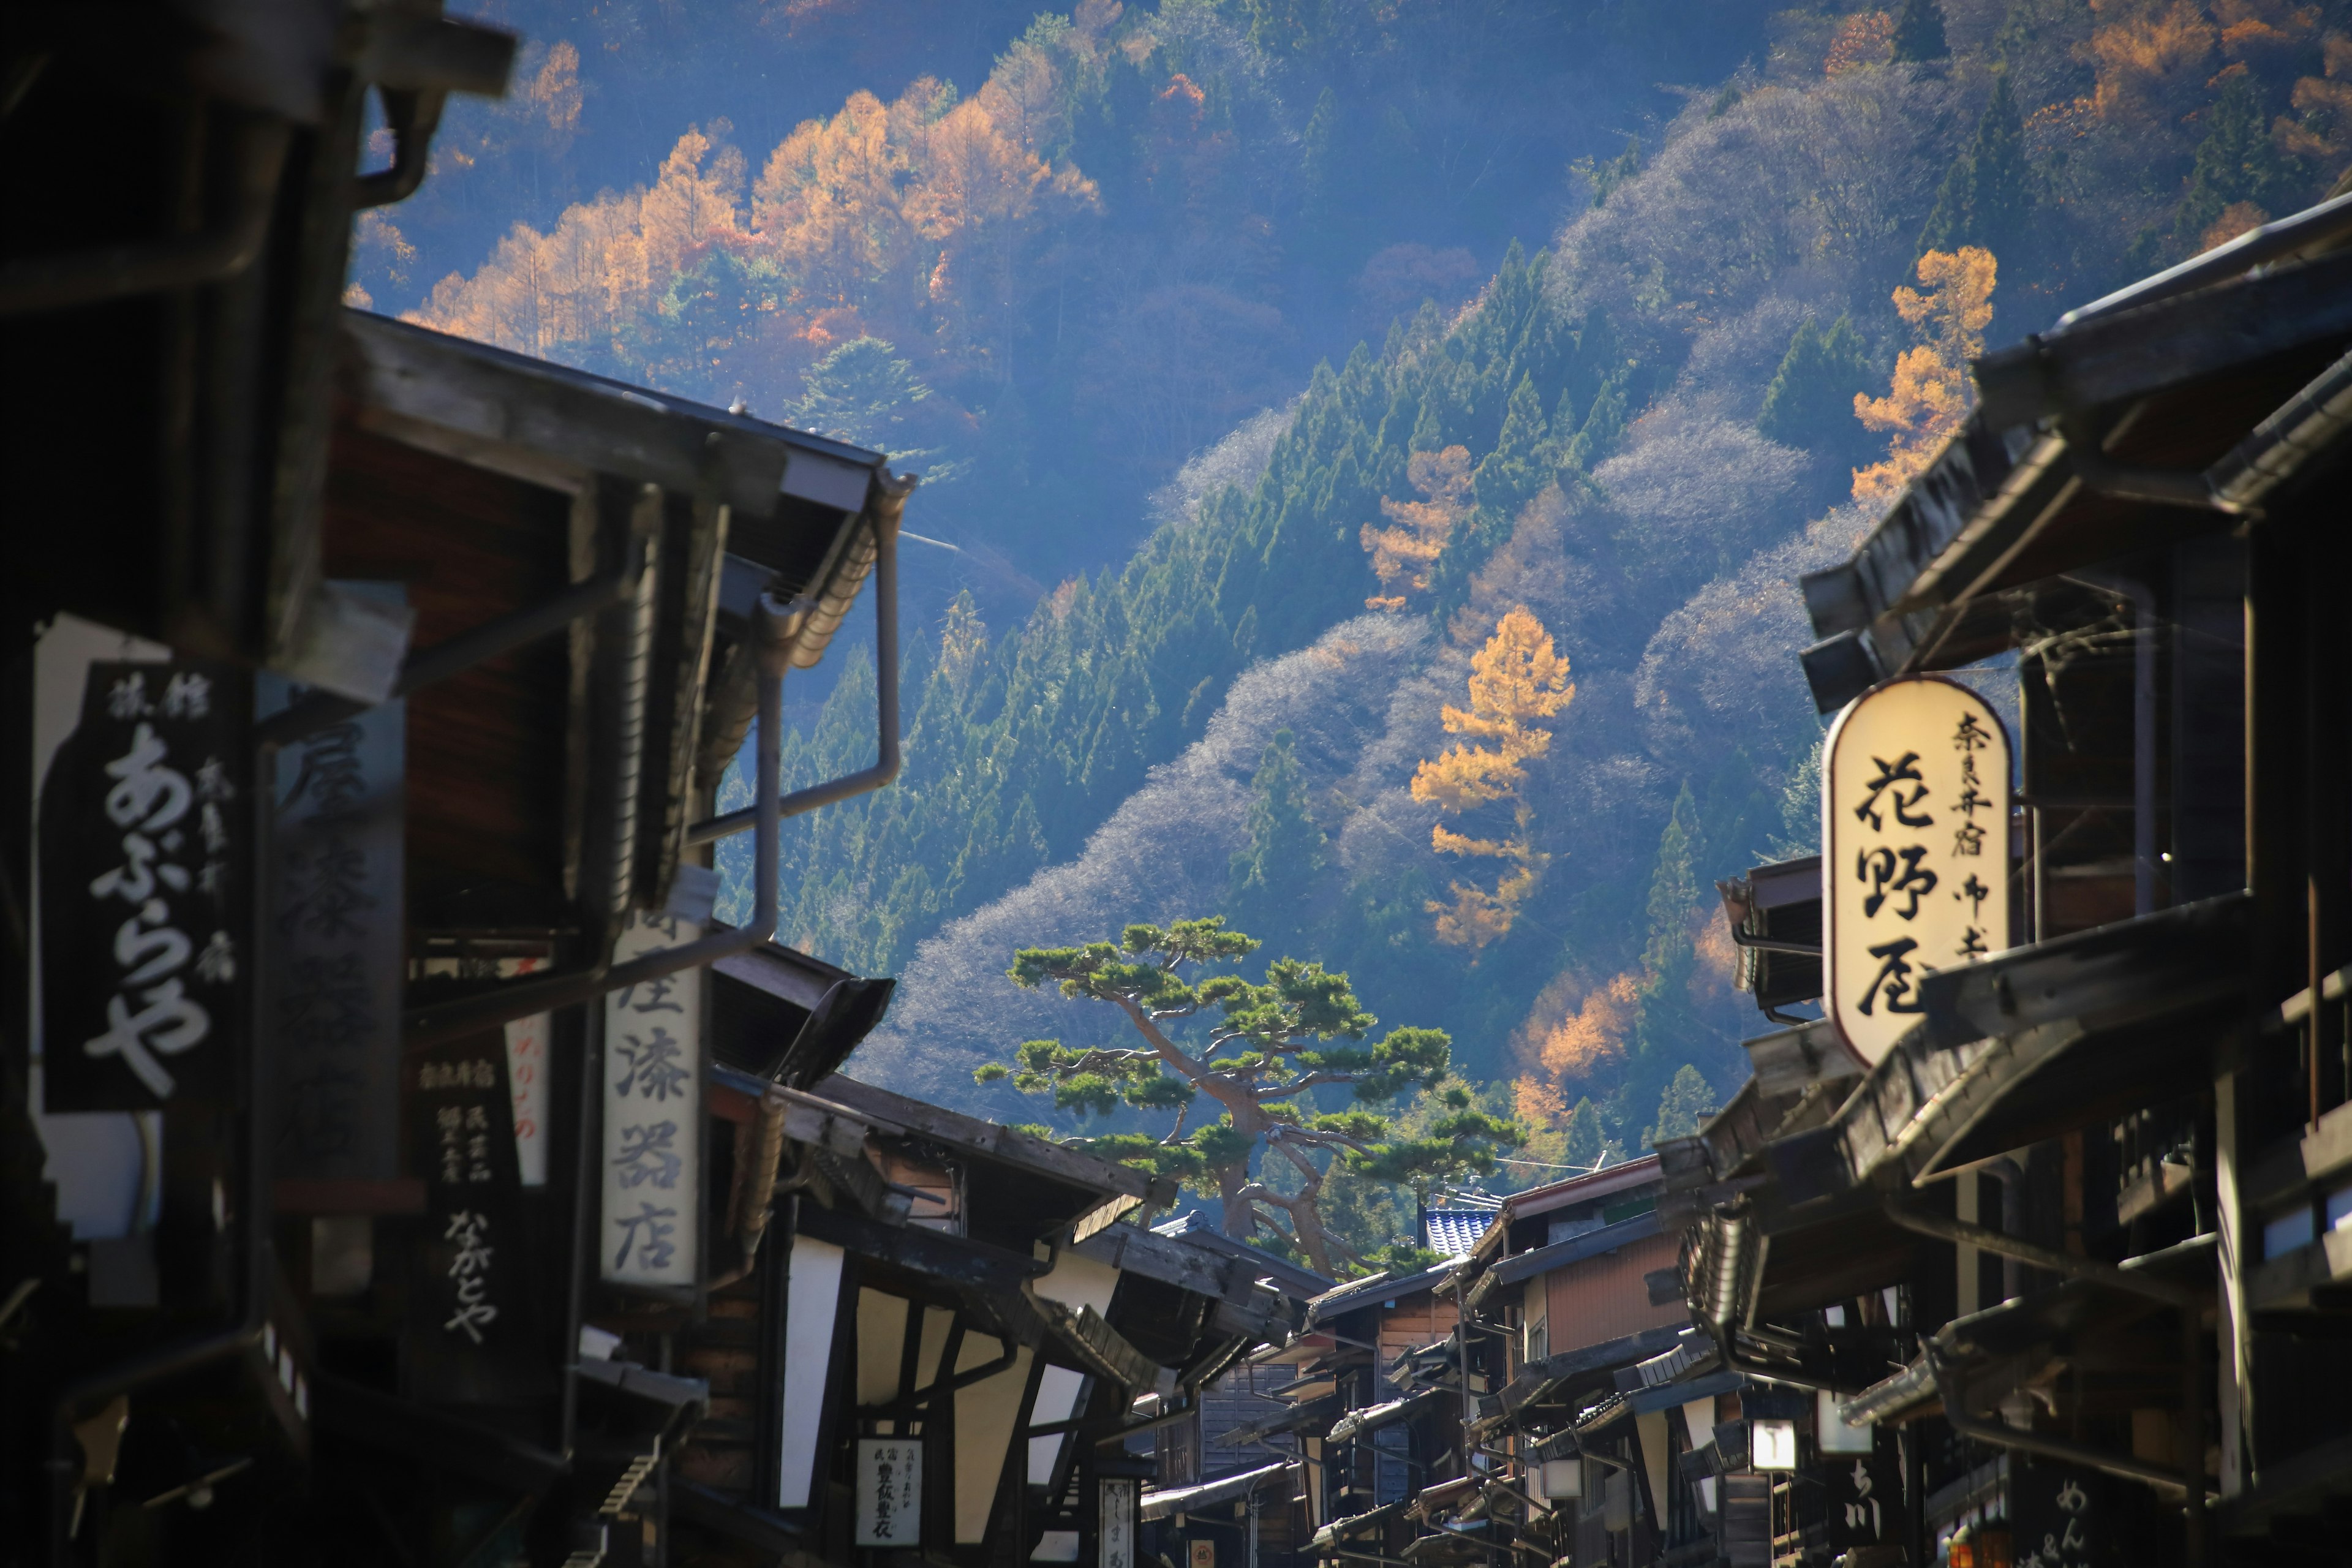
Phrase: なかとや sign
{"type": "Point", "coordinates": [1914, 850]}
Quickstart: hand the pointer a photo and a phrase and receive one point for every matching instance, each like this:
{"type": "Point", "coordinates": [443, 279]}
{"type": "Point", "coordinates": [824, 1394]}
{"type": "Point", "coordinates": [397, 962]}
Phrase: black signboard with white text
{"type": "Point", "coordinates": [471, 1308]}
{"type": "Point", "coordinates": [144, 860]}
{"type": "Point", "coordinates": [1865, 1498]}
{"type": "Point", "coordinates": [336, 868]}
{"type": "Point", "coordinates": [2062, 1516]}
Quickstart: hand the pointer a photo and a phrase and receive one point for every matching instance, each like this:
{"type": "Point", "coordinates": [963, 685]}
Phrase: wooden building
{"type": "Point", "coordinates": [311, 1157]}
{"type": "Point", "coordinates": [2072, 1240]}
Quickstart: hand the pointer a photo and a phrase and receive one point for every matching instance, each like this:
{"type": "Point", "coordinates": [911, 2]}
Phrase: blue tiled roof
{"type": "Point", "coordinates": [1449, 1233]}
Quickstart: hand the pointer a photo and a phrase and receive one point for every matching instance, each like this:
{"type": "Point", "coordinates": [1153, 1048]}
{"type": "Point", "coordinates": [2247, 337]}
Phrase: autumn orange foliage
{"type": "Point", "coordinates": [924, 215]}
{"type": "Point", "coordinates": [1595, 1033]}
{"type": "Point", "coordinates": [1403, 555]}
{"type": "Point", "coordinates": [1517, 682]}
{"type": "Point", "coordinates": [2323, 101]}
{"type": "Point", "coordinates": [2146, 55]}
{"type": "Point", "coordinates": [1931, 393]}
{"type": "Point", "coordinates": [1866, 39]}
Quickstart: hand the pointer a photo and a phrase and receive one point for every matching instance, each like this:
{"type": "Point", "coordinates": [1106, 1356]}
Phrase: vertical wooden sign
{"type": "Point", "coordinates": [1114, 1522]}
{"type": "Point", "coordinates": [471, 1306]}
{"type": "Point", "coordinates": [652, 1230]}
{"type": "Point", "coordinates": [1914, 850]}
{"type": "Point", "coordinates": [338, 916]}
{"type": "Point", "coordinates": [145, 901]}
{"type": "Point", "coordinates": [890, 1492]}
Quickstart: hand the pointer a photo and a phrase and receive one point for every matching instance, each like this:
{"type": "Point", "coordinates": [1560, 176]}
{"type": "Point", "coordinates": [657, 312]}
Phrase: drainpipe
{"type": "Point", "coordinates": [523, 998]}
{"type": "Point", "coordinates": [2005, 1170]}
{"type": "Point", "coordinates": [886, 674]}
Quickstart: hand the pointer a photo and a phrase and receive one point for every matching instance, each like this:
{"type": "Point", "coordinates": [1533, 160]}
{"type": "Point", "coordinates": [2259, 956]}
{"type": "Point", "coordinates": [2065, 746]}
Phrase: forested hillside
{"type": "Point", "coordinates": [1461, 659]}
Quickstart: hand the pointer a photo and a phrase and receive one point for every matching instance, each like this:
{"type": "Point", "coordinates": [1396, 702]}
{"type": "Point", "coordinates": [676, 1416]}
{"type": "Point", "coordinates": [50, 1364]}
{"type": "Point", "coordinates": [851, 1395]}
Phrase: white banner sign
{"type": "Point", "coordinates": [890, 1492]}
{"type": "Point", "coordinates": [1914, 850]}
{"type": "Point", "coordinates": [653, 1116]}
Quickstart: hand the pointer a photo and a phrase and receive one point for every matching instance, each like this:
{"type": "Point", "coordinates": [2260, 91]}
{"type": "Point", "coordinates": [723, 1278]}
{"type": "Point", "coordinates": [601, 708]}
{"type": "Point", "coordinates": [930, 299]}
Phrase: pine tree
{"type": "Point", "coordinates": [1919, 33]}
{"type": "Point", "coordinates": [1251, 1049]}
{"type": "Point", "coordinates": [1666, 1028]}
{"type": "Point", "coordinates": [1987, 196]}
{"type": "Point", "coordinates": [1604, 424]}
{"type": "Point", "coordinates": [1811, 401]}
{"type": "Point", "coordinates": [1515, 469]}
{"type": "Point", "coordinates": [1604, 178]}
{"type": "Point", "coordinates": [1685, 1107]}
{"type": "Point", "coordinates": [1275, 875]}
{"type": "Point", "coordinates": [2237, 162]}
{"type": "Point", "coordinates": [862, 391]}
{"type": "Point", "coordinates": [1585, 1142]}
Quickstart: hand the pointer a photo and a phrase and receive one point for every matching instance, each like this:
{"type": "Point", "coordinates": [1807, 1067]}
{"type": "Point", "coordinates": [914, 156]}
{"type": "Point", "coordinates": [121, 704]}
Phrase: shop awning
{"type": "Point", "coordinates": [2082, 1326]}
{"type": "Point", "coordinates": [1207, 1494]}
{"type": "Point", "coordinates": [2040, 1041]}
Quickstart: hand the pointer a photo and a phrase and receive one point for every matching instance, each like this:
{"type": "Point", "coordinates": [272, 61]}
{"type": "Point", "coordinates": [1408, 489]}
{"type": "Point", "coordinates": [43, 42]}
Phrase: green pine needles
{"type": "Point", "coordinates": [1919, 33]}
{"type": "Point", "coordinates": [1257, 1051]}
{"type": "Point", "coordinates": [1986, 198]}
{"type": "Point", "coordinates": [1809, 402]}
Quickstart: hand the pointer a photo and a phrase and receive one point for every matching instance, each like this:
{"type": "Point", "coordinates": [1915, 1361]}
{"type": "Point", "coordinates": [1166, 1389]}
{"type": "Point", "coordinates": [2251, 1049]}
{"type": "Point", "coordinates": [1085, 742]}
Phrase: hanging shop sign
{"type": "Point", "coordinates": [1914, 850]}
{"type": "Point", "coordinates": [890, 1492]}
{"type": "Point", "coordinates": [337, 918]}
{"type": "Point", "coordinates": [1863, 1500]}
{"type": "Point", "coordinates": [471, 1311]}
{"type": "Point", "coordinates": [144, 890]}
{"type": "Point", "coordinates": [653, 1116]}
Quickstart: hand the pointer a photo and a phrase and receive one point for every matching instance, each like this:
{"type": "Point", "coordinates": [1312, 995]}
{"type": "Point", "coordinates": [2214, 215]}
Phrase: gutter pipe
{"type": "Point", "coordinates": [430, 1024]}
{"type": "Point", "coordinates": [886, 668]}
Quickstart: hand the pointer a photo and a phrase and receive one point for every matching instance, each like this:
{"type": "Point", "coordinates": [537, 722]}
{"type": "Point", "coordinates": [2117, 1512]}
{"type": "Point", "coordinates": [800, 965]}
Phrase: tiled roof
{"type": "Point", "coordinates": [1450, 1232]}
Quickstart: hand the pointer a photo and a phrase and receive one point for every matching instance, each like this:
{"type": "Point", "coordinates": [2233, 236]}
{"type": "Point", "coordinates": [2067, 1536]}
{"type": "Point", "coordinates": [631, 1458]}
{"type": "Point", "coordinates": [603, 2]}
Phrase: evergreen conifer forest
{"type": "Point", "coordinates": [1369, 446]}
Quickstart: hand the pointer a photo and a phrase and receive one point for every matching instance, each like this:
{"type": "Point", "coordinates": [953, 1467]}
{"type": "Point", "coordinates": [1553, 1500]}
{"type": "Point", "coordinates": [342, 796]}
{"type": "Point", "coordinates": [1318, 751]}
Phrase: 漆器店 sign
{"type": "Point", "coordinates": [890, 1492]}
{"type": "Point", "coordinates": [653, 1116]}
{"type": "Point", "coordinates": [145, 892]}
{"type": "Point", "coordinates": [1914, 850]}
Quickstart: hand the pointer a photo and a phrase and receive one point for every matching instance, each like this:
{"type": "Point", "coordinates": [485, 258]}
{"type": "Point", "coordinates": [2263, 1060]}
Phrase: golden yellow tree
{"type": "Point", "coordinates": [1518, 683]}
{"type": "Point", "coordinates": [1931, 393]}
{"type": "Point", "coordinates": [1866, 39]}
{"type": "Point", "coordinates": [1403, 555]}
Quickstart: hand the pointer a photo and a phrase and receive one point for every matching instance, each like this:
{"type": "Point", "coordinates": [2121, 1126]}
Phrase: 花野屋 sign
{"type": "Point", "coordinates": [1914, 850]}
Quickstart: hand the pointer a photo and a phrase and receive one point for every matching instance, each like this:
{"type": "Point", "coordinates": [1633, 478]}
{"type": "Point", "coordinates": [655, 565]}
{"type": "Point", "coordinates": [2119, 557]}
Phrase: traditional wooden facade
{"type": "Point", "coordinates": [945, 1347]}
{"type": "Point", "coordinates": [2071, 1245]}
{"type": "Point", "coordinates": [313, 1183]}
